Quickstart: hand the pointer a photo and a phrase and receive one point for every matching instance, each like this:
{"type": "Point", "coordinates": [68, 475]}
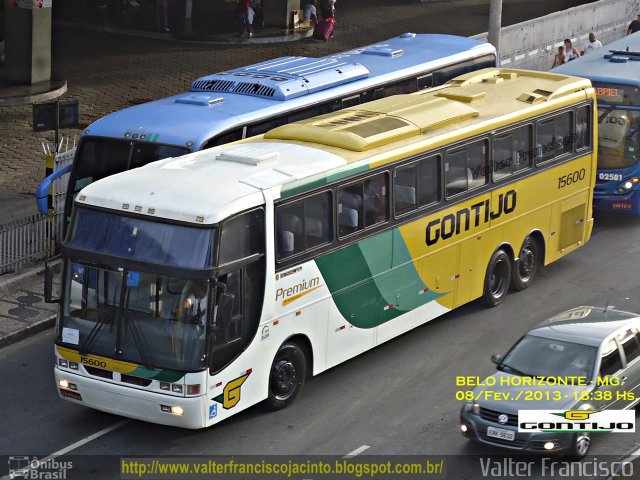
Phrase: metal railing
{"type": "Point", "coordinates": [37, 236]}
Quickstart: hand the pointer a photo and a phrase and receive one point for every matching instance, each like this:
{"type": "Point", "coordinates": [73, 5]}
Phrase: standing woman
{"type": "Point", "coordinates": [328, 8]}
{"type": "Point", "coordinates": [570, 52]}
{"type": "Point", "coordinates": [243, 7]}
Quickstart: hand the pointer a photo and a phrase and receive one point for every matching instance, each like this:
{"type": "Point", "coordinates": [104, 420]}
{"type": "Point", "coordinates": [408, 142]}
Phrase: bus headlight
{"type": "Point", "coordinates": [628, 185]}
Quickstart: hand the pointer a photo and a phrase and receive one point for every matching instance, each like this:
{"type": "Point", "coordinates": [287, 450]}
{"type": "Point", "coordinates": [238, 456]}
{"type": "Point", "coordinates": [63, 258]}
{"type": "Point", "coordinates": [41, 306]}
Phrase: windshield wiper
{"type": "Point", "coordinates": [511, 369]}
{"type": "Point", "coordinates": [138, 338]}
{"type": "Point", "coordinates": [609, 109]}
{"type": "Point", "coordinates": [104, 318]}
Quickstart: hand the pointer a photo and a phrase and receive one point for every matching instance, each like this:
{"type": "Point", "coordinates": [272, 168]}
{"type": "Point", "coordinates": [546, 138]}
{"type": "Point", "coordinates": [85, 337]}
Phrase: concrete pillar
{"type": "Point", "coordinates": [495, 22]}
{"type": "Point", "coordinates": [277, 13]}
{"type": "Point", "coordinates": [27, 29]}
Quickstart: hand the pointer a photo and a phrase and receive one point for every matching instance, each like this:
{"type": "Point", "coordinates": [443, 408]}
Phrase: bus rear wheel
{"type": "Point", "coordinates": [497, 278]}
{"type": "Point", "coordinates": [524, 270]}
{"type": "Point", "coordinates": [288, 373]}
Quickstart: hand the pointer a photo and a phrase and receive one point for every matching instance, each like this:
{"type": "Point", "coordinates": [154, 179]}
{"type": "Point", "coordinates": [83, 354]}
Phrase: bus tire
{"type": "Point", "coordinates": [497, 278]}
{"type": "Point", "coordinates": [287, 376]}
{"type": "Point", "coordinates": [524, 269]}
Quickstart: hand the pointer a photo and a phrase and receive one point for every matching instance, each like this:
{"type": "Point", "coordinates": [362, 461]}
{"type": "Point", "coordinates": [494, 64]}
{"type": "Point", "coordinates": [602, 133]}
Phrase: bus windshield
{"type": "Point", "coordinates": [142, 240]}
{"type": "Point", "coordinates": [617, 137]}
{"type": "Point", "coordinates": [100, 157]}
{"type": "Point", "coordinates": [158, 321]}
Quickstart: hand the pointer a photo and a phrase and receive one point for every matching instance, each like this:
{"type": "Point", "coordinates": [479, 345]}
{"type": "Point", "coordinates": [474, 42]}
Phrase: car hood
{"type": "Point", "coordinates": [505, 393]}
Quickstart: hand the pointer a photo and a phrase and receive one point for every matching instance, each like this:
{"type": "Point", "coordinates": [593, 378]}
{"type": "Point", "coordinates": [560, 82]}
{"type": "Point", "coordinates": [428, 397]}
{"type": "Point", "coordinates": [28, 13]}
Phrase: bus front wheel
{"type": "Point", "coordinates": [524, 270]}
{"type": "Point", "coordinates": [288, 372]}
{"type": "Point", "coordinates": [497, 279]}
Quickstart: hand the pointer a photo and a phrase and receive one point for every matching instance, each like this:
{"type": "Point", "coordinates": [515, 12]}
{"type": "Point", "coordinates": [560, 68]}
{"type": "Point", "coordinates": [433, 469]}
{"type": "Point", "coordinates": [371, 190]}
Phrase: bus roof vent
{"type": "Point", "coordinates": [256, 89]}
{"type": "Point", "coordinates": [283, 78]}
{"type": "Point", "coordinates": [531, 98]}
{"type": "Point", "coordinates": [213, 85]}
{"type": "Point", "coordinates": [248, 155]}
{"type": "Point", "coordinates": [383, 51]}
{"type": "Point", "coordinates": [622, 56]}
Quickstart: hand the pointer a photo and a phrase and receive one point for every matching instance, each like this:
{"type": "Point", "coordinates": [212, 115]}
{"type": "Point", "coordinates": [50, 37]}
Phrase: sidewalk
{"type": "Point", "coordinates": [108, 69]}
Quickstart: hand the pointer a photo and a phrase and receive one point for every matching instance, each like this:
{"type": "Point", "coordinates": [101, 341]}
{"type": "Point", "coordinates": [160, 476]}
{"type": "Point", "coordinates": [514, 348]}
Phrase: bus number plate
{"type": "Point", "coordinates": [609, 176]}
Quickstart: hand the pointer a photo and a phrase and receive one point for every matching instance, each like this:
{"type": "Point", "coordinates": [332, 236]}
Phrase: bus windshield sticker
{"type": "Point", "coordinates": [71, 335]}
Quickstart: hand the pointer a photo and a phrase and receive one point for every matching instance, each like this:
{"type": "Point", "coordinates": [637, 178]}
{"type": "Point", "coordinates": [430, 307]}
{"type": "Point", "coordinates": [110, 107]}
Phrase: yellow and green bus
{"type": "Point", "coordinates": [198, 286]}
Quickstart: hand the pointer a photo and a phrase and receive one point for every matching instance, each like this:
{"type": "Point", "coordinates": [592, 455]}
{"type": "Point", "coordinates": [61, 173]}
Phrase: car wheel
{"type": "Point", "coordinates": [581, 445]}
{"type": "Point", "coordinates": [288, 373]}
{"type": "Point", "coordinates": [524, 270]}
{"type": "Point", "coordinates": [497, 279]}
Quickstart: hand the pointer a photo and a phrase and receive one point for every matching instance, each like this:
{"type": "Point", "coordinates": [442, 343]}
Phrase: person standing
{"type": "Point", "coordinates": [570, 52]}
{"type": "Point", "coordinates": [243, 7]}
{"type": "Point", "coordinates": [634, 26]}
{"type": "Point", "coordinates": [558, 59]}
{"type": "Point", "coordinates": [162, 16]}
{"type": "Point", "coordinates": [328, 8]}
{"type": "Point", "coordinates": [591, 44]}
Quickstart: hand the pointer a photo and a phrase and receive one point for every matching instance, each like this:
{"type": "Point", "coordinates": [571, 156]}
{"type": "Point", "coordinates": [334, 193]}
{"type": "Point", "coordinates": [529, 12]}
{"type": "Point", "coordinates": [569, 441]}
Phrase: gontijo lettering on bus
{"type": "Point", "coordinates": [481, 212]}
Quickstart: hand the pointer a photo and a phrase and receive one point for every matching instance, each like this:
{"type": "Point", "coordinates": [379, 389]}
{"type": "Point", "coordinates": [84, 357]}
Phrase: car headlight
{"type": "Point", "coordinates": [472, 407]}
{"type": "Point", "coordinates": [627, 186]}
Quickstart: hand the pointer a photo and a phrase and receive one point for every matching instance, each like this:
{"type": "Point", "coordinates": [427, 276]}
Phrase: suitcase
{"type": "Point", "coordinates": [324, 29]}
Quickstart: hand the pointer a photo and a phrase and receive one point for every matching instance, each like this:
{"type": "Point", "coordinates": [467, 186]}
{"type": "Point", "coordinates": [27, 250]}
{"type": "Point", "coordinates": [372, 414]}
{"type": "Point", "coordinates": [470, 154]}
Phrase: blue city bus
{"type": "Point", "coordinates": [242, 102]}
{"type": "Point", "coordinates": [615, 73]}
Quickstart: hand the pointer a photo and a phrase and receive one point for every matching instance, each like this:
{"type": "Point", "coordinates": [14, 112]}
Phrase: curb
{"type": "Point", "coordinates": [8, 279]}
{"type": "Point", "coordinates": [28, 331]}
{"type": "Point", "coordinates": [231, 40]}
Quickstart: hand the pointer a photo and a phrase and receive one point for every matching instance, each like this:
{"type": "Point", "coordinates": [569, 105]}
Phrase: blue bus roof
{"type": "Point", "coordinates": [216, 103]}
{"type": "Point", "coordinates": [603, 66]}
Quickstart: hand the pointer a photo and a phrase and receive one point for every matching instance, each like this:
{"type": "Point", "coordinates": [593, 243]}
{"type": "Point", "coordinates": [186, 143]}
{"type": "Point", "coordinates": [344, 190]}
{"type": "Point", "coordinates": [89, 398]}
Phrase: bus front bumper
{"type": "Point", "coordinates": [132, 402]}
{"type": "Point", "coordinates": [629, 203]}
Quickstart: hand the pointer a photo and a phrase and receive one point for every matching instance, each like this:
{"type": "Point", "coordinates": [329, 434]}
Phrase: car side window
{"type": "Point", "coordinates": [611, 361]}
{"type": "Point", "coordinates": [629, 342]}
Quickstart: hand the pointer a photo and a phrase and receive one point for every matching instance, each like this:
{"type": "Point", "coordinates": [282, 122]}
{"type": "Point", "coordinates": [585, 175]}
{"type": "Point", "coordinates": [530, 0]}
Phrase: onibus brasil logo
{"type": "Point", "coordinates": [576, 421]}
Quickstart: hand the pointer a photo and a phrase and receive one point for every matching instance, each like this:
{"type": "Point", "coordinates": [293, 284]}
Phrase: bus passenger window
{"type": "Point", "coordinates": [554, 137]}
{"type": "Point", "coordinates": [511, 152]}
{"type": "Point", "coordinates": [583, 127]}
{"type": "Point", "coordinates": [304, 224]}
{"type": "Point", "coordinates": [477, 166]}
{"type": "Point", "coordinates": [242, 237]}
{"type": "Point", "coordinates": [429, 181]}
{"type": "Point", "coordinates": [405, 189]}
{"type": "Point", "coordinates": [351, 101]}
{"type": "Point", "coordinates": [455, 171]}
{"type": "Point", "coordinates": [425, 81]}
{"type": "Point", "coordinates": [350, 209]}
{"type": "Point", "coordinates": [226, 137]}
{"type": "Point", "coordinates": [263, 127]}
{"type": "Point", "coordinates": [376, 200]}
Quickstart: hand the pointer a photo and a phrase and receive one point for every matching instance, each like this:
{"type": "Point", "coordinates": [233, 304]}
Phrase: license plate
{"type": "Point", "coordinates": [622, 205]}
{"type": "Point", "coordinates": [610, 176]}
{"type": "Point", "coordinates": [501, 433]}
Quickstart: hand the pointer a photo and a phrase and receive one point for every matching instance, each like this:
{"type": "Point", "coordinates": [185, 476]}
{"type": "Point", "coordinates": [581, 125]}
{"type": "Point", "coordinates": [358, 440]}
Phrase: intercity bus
{"type": "Point", "coordinates": [615, 73]}
{"type": "Point", "coordinates": [198, 286]}
{"type": "Point", "coordinates": [248, 101]}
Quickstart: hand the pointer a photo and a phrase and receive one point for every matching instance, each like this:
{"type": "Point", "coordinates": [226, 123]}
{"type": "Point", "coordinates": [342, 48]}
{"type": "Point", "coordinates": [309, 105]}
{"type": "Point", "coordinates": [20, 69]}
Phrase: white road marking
{"type": "Point", "coordinates": [81, 442]}
{"type": "Point", "coordinates": [357, 451]}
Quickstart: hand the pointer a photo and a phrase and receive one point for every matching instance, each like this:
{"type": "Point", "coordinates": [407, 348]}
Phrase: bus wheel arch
{"type": "Point", "coordinates": [528, 261]}
{"type": "Point", "coordinates": [288, 372]}
{"type": "Point", "coordinates": [498, 276]}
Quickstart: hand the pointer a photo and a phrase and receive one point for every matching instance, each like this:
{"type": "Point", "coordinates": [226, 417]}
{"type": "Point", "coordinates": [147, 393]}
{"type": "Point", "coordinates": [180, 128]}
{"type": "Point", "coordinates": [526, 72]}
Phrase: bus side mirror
{"type": "Point", "coordinates": [48, 283]}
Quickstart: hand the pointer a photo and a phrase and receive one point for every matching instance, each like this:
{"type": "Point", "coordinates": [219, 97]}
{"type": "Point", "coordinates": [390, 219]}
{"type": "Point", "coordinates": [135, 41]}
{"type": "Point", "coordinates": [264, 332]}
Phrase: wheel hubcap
{"type": "Point", "coordinates": [582, 444]}
{"type": "Point", "coordinates": [527, 263]}
{"type": "Point", "coordinates": [497, 281]}
{"type": "Point", "coordinates": [284, 378]}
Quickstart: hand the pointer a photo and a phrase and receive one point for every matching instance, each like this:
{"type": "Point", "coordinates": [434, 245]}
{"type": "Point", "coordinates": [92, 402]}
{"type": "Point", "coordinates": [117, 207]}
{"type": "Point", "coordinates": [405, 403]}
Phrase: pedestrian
{"type": "Point", "coordinates": [328, 8]}
{"type": "Point", "coordinates": [258, 17]}
{"type": "Point", "coordinates": [558, 59]}
{"type": "Point", "coordinates": [243, 8]}
{"type": "Point", "coordinates": [634, 26]}
{"type": "Point", "coordinates": [310, 14]}
{"type": "Point", "coordinates": [591, 44]}
{"type": "Point", "coordinates": [162, 16]}
{"type": "Point", "coordinates": [570, 52]}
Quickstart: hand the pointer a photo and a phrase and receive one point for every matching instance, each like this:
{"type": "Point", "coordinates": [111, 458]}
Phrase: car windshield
{"type": "Point", "coordinates": [543, 357]}
{"type": "Point", "coordinates": [154, 320]}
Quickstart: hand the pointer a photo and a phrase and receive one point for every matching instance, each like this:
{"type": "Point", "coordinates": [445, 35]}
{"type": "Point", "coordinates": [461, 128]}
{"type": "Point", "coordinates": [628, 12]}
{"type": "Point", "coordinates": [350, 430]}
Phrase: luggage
{"type": "Point", "coordinates": [324, 29]}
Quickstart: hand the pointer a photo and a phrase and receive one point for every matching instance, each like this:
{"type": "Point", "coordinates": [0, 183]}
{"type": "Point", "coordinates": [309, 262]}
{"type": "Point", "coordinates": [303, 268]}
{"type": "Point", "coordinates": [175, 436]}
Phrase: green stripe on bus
{"type": "Point", "coordinates": [316, 181]}
{"type": "Point", "coordinates": [160, 375]}
{"type": "Point", "coordinates": [371, 292]}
